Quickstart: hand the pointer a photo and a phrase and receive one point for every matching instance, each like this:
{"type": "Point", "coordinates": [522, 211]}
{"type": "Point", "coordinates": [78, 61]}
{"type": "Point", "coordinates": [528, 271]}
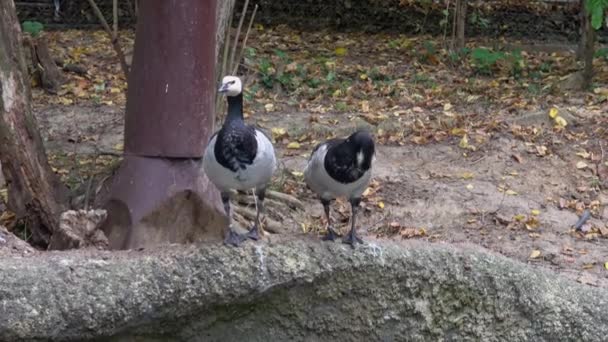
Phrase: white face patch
{"type": "Point", "coordinates": [231, 85]}
{"type": "Point", "coordinates": [359, 158]}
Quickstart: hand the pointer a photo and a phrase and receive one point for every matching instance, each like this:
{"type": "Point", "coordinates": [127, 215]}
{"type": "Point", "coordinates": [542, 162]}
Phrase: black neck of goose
{"type": "Point", "coordinates": [235, 107]}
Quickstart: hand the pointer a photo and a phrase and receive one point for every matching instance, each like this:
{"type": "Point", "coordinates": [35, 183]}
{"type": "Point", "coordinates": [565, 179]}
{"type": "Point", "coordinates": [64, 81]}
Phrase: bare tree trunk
{"type": "Point", "coordinates": [586, 48]}
{"type": "Point", "coordinates": [35, 193]}
{"type": "Point", "coordinates": [461, 20]}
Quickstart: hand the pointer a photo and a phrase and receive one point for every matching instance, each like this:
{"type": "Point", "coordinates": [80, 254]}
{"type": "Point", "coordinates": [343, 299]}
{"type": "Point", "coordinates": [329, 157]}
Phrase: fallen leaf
{"type": "Point", "coordinates": [535, 254]}
{"type": "Point", "coordinates": [269, 107]}
{"type": "Point", "coordinates": [364, 106]}
{"type": "Point", "coordinates": [467, 175]}
{"type": "Point", "coordinates": [340, 51]}
{"type": "Point", "coordinates": [294, 145]}
{"type": "Point", "coordinates": [278, 132]}
{"type": "Point", "coordinates": [119, 147]}
{"type": "Point", "coordinates": [553, 113]}
{"type": "Point", "coordinates": [581, 165]}
{"type": "Point", "coordinates": [517, 158]}
{"type": "Point", "coordinates": [561, 121]}
{"type": "Point", "coordinates": [606, 265]}
{"type": "Point", "coordinates": [511, 192]}
{"type": "Point", "coordinates": [519, 217]}
{"type": "Point", "coordinates": [381, 205]}
{"type": "Point", "coordinates": [469, 186]}
{"type": "Point", "coordinates": [584, 154]}
{"type": "Point", "coordinates": [464, 143]}
{"type": "Point", "coordinates": [535, 212]}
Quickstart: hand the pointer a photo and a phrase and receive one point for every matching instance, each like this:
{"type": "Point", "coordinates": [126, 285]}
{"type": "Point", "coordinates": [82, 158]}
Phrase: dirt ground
{"type": "Point", "coordinates": [504, 196]}
{"type": "Point", "coordinates": [451, 167]}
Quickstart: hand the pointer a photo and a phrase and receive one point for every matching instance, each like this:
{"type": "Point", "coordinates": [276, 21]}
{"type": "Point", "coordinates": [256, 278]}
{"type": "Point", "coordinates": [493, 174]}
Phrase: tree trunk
{"type": "Point", "coordinates": [461, 20]}
{"type": "Point", "coordinates": [586, 48]}
{"type": "Point", "coordinates": [34, 190]}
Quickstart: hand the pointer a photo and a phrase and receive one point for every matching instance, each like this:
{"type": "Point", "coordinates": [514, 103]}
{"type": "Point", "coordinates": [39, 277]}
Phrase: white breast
{"type": "Point", "coordinates": [321, 182]}
{"type": "Point", "coordinates": [258, 174]}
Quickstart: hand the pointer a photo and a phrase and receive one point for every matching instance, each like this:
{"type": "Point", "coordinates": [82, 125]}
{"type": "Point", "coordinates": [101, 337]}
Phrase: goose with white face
{"type": "Point", "coordinates": [231, 86]}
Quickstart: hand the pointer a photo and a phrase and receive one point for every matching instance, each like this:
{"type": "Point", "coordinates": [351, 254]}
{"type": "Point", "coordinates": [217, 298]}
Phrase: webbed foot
{"type": "Point", "coordinates": [233, 238]}
{"type": "Point", "coordinates": [352, 239]}
{"type": "Point", "coordinates": [330, 236]}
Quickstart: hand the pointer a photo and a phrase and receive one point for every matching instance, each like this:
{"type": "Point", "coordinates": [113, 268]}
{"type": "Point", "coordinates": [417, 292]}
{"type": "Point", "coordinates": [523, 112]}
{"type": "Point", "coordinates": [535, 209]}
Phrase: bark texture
{"type": "Point", "coordinates": [586, 48]}
{"type": "Point", "coordinates": [298, 290]}
{"type": "Point", "coordinates": [34, 190]}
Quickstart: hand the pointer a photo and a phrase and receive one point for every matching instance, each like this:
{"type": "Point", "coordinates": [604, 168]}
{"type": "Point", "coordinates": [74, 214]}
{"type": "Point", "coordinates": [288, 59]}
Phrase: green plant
{"type": "Point", "coordinates": [32, 27]}
{"type": "Point", "coordinates": [596, 9]}
{"type": "Point", "coordinates": [484, 59]}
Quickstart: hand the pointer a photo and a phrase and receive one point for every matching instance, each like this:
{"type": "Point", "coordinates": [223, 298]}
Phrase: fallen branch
{"type": "Point", "coordinates": [113, 38]}
{"type": "Point", "coordinates": [270, 225]}
{"type": "Point", "coordinates": [290, 200]}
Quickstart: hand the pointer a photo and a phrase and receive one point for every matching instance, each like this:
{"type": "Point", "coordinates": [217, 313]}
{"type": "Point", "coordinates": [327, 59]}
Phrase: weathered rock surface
{"type": "Point", "coordinates": [298, 290]}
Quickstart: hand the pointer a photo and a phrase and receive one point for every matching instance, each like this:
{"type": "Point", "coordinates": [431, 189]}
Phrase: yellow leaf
{"type": "Point", "coordinates": [561, 121]}
{"type": "Point", "coordinates": [581, 165]}
{"type": "Point", "coordinates": [606, 265]}
{"type": "Point", "coordinates": [469, 186]}
{"type": "Point", "coordinates": [511, 192]}
{"type": "Point", "coordinates": [297, 173]}
{"type": "Point", "coordinates": [118, 147]}
{"type": "Point", "coordinates": [467, 175]}
{"type": "Point", "coordinates": [269, 107]}
{"type": "Point", "coordinates": [381, 205]}
{"type": "Point", "coordinates": [447, 107]}
{"type": "Point", "coordinates": [553, 113]}
{"type": "Point", "coordinates": [363, 76]}
{"type": "Point", "coordinates": [464, 142]}
{"type": "Point", "coordinates": [293, 145]}
{"type": "Point", "coordinates": [519, 217]}
{"type": "Point", "coordinates": [278, 132]}
{"type": "Point", "coordinates": [535, 212]}
{"type": "Point", "coordinates": [458, 131]}
{"type": "Point", "coordinates": [114, 90]}
{"type": "Point", "coordinates": [340, 51]}
{"type": "Point", "coordinates": [535, 254]}
{"type": "Point", "coordinates": [337, 93]}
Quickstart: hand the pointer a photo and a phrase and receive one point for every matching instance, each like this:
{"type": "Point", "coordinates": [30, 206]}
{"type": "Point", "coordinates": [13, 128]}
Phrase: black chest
{"type": "Point", "coordinates": [236, 145]}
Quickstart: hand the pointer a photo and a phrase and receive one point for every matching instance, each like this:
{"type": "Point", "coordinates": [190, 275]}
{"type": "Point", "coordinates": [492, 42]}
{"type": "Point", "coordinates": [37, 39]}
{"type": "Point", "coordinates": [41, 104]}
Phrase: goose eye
{"type": "Point", "coordinates": [231, 82]}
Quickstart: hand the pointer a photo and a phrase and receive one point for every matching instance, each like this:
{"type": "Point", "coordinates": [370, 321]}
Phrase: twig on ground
{"type": "Point", "coordinates": [270, 225]}
{"type": "Point", "coordinates": [282, 197]}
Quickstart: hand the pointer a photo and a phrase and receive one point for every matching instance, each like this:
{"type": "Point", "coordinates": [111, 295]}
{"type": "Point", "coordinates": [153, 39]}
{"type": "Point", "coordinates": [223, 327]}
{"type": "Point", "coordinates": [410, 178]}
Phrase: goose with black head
{"type": "Point", "coordinates": [341, 168]}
